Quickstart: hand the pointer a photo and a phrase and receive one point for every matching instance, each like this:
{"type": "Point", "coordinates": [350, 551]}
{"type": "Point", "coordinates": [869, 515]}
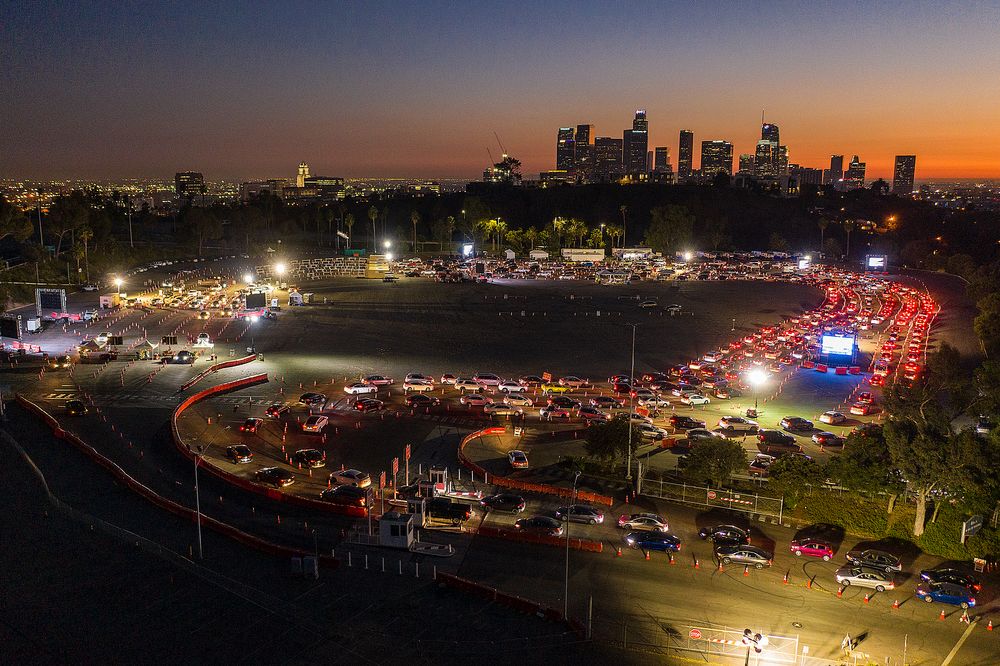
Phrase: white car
{"type": "Point", "coordinates": [351, 477]}
{"type": "Point", "coordinates": [416, 376]}
{"type": "Point", "coordinates": [377, 380]}
{"type": "Point", "coordinates": [572, 382]}
{"type": "Point", "coordinates": [832, 418]}
{"type": "Point", "coordinates": [638, 419]}
{"type": "Point", "coordinates": [712, 357]}
{"type": "Point", "coordinates": [511, 387]}
{"type": "Point", "coordinates": [738, 423]}
{"type": "Point", "coordinates": [475, 399]}
{"type": "Point", "coordinates": [358, 388]}
{"type": "Point", "coordinates": [694, 399]}
{"type": "Point", "coordinates": [315, 423]}
{"type": "Point", "coordinates": [487, 379]}
{"type": "Point", "coordinates": [464, 384]}
{"type": "Point", "coordinates": [417, 386]}
{"type": "Point", "coordinates": [650, 431]}
{"type": "Point", "coordinates": [518, 400]}
{"type": "Point", "coordinates": [89, 287]}
{"type": "Point", "coordinates": [647, 304]}
{"type": "Point", "coordinates": [654, 401]}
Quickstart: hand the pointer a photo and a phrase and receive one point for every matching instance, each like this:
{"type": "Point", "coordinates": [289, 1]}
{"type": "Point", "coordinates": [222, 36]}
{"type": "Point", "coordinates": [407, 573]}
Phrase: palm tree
{"type": "Point", "coordinates": [348, 223]}
{"type": "Point", "coordinates": [558, 228]}
{"type": "Point", "coordinates": [614, 233]}
{"type": "Point", "coordinates": [624, 209]}
{"type": "Point", "coordinates": [581, 231]}
{"type": "Point", "coordinates": [848, 228]}
{"type": "Point", "coordinates": [532, 235]}
{"type": "Point", "coordinates": [373, 215]}
{"type": "Point", "coordinates": [499, 230]}
{"type": "Point", "coordinates": [415, 220]}
{"type": "Point", "coordinates": [823, 224]}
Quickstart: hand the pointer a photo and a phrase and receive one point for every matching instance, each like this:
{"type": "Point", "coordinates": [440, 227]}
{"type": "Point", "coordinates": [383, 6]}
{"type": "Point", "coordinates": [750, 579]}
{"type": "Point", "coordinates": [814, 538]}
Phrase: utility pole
{"type": "Point", "coordinates": [38, 203]}
{"type": "Point", "coordinates": [631, 401]}
{"type": "Point", "coordinates": [576, 478]}
{"type": "Point", "coordinates": [128, 207]}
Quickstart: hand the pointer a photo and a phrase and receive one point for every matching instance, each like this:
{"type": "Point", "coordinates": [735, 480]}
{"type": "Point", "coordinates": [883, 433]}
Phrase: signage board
{"type": "Point", "coordinates": [838, 345]}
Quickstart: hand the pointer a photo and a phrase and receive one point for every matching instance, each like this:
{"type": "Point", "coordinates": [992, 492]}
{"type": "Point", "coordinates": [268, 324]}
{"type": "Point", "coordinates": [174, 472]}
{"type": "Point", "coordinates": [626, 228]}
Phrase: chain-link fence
{"type": "Point", "coordinates": [713, 497]}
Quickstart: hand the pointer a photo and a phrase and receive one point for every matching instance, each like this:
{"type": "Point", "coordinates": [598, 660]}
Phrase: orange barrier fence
{"type": "Point", "coordinates": [215, 368]}
{"type": "Point", "coordinates": [587, 545]}
{"type": "Point", "coordinates": [512, 601]}
{"type": "Point", "coordinates": [515, 484]}
{"type": "Point", "coordinates": [240, 482]}
{"type": "Point", "coordinates": [162, 502]}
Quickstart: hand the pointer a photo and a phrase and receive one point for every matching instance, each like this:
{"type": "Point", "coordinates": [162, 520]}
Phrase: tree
{"type": "Point", "coordinates": [85, 236]}
{"type": "Point", "coordinates": [713, 462]}
{"type": "Point", "coordinates": [414, 220]}
{"type": "Point", "coordinates": [777, 242]}
{"type": "Point", "coordinates": [531, 234]}
{"type": "Point", "coordinates": [203, 224]}
{"type": "Point", "coordinates": [609, 441]}
{"type": "Point", "coordinates": [822, 224]}
{"type": "Point", "coordinates": [614, 233]}
{"type": "Point", "coordinates": [13, 222]}
{"type": "Point", "coordinates": [865, 465]}
{"type": "Point", "coordinates": [372, 216]}
{"type": "Point", "coordinates": [670, 228]}
{"type": "Point", "coordinates": [793, 477]}
{"type": "Point", "coordinates": [443, 229]}
{"type": "Point", "coordinates": [499, 228]}
{"type": "Point", "coordinates": [848, 228]}
{"type": "Point", "coordinates": [577, 229]}
{"type": "Point", "coordinates": [623, 209]}
{"type": "Point", "coordinates": [349, 224]}
{"type": "Point", "coordinates": [987, 323]}
{"type": "Point", "coordinates": [596, 238]}
{"type": "Point", "coordinates": [559, 225]}
{"type": "Point", "coordinates": [68, 213]}
{"type": "Point", "coordinates": [832, 248]}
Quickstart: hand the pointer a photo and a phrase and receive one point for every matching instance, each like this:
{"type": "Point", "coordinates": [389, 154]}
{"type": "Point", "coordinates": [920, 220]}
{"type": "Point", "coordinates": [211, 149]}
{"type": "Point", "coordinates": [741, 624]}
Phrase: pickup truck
{"type": "Point", "coordinates": [445, 509]}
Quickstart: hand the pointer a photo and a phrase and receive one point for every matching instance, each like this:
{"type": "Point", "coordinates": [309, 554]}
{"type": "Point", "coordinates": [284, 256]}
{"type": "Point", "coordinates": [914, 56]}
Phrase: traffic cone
{"type": "Point", "coordinates": [784, 579]}
{"type": "Point", "coordinates": [697, 564]}
{"type": "Point", "coordinates": [720, 565]}
{"type": "Point", "coordinates": [809, 584]}
{"type": "Point", "coordinates": [647, 554]}
{"type": "Point", "coordinates": [867, 598]}
{"type": "Point", "coordinates": [989, 626]}
{"type": "Point", "coordinates": [895, 604]}
{"type": "Point", "coordinates": [941, 617]}
{"type": "Point", "coordinates": [746, 570]}
{"type": "Point", "coordinates": [840, 591]}
{"type": "Point", "coordinates": [618, 551]}
{"type": "Point", "coordinates": [672, 558]}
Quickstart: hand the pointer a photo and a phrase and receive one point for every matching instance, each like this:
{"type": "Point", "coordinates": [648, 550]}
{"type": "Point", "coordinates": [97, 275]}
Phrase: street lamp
{"type": "Point", "coordinates": [248, 278]}
{"type": "Point", "coordinates": [756, 377]}
{"type": "Point", "coordinates": [279, 268]}
{"type": "Point", "coordinates": [197, 494]}
{"type": "Point", "coordinates": [576, 477]}
{"type": "Point", "coordinates": [631, 409]}
{"type": "Point", "coordinates": [688, 257]}
{"type": "Point", "coordinates": [118, 285]}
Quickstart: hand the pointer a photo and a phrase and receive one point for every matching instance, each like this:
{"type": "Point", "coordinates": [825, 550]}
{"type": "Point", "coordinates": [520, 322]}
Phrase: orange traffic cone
{"type": "Point", "coordinates": [697, 565]}
{"type": "Point", "coordinates": [941, 617]}
{"type": "Point", "coordinates": [989, 626]}
{"type": "Point", "coordinates": [867, 598]}
{"type": "Point", "coordinates": [618, 551]}
{"type": "Point", "coordinates": [746, 570]}
{"type": "Point", "coordinates": [784, 579]}
{"type": "Point", "coordinates": [895, 604]}
{"type": "Point", "coordinates": [720, 565]}
{"type": "Point", "coordinates": [671, 558]}
{"type": "Point", "coordinates": [840, 591]}
{"type": "Point", "coordinates": [647, 554]}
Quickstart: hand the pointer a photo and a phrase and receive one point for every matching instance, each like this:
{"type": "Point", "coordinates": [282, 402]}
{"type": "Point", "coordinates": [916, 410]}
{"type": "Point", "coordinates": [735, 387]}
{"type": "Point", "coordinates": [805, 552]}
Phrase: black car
{"type": "Point", "coordinates": [679, 422]}
{"type": "Point", "coordinates": [725, 535]}
{"type": "Point", "coordinates": [252, 425]}
{"type": "Point", "coordinates": [275, 476]}
{"type": "Point", "coordinates": [312, 399]}
{"type": "Point", "coordinates": [775, 438]}
{"type": "Point", "coordinates": [564, 402]}
{"type": "Point", "coordinates": [309, 458]}
{"type": "Point", "coordinates": [580, 513]}
{"type": "Point", "coordinates": [346, 495]}
{"type": "Point", "coordinates": [875, 559]}
{"type": "Point", "coordinates": [545, 525]}
{"type": "Point", "coordinates": [793, 423]}
{"type": "Point", "coordinates": [442, 507]}
{"type": "Point", "coordinates": [422, 400]}
{"type": "Point", "coordinates": [277, 410]}
{"type": "Point", "coordinates": [239, 453]}
{"type": "Point", "coordinates": [182, 358]}
{"type": "Point", "coordinates": [753, 556]}
{"type": "Point", "coordinates": [76, 408]}
{"type": "Point", "coordinates": [953, 576]}
{"type": "Point", "coordinates": [503, 502]}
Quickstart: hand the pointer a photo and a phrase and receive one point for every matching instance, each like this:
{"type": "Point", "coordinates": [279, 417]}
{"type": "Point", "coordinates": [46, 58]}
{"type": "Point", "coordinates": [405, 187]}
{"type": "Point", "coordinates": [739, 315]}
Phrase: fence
{"type": "Point", "coordinates": [713, 497]}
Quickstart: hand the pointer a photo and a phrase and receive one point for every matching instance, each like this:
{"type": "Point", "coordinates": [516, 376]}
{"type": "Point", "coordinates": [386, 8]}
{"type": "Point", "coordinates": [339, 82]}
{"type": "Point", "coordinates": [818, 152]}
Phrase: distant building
{"type": "Point", "coordinates": [635, 145]}
{"type": "Point", "coordinates": [746, 163]}
{"type": "Point", "coordinates": [769, 132]}
{"type": "Point", "coordinates": [187, 184]}
{"type": "Point", "coordinates": [805, 175]}
{"type": "Point", "coordinates": [583, 150]}
{"type": "Point", "coordinates": [556, 177]}
{"type": "Point", "coordinates": [902, 174]}
{"type": "Point", "coordinates": [661, 160]}
{"type": "Point", "coordinates": [716, 157]}
{"type": "Point", "coordinates": [565, 153]}
{"type": "Point", "coordinates": [303, 175]}
{"type": "Point", "coordinates": [765, 159]}
{"type": "Point", "coordinates": [854, 177]}
{"type": "Point", "coordinates": [608, 164]}
{"type": "Point", "coordinates": [835, 173]}
{"type": "Point", "coordinates": [685, 154]}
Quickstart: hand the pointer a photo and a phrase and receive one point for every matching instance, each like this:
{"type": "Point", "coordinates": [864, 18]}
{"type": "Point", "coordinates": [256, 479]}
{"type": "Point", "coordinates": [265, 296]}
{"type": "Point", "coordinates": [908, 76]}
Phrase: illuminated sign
{"type": "Point", "coordinates": [804, 264]}
{"type": "Point", "coordinates": [876, 262]}
{"type": "Point", "coordinates": [838, 345]}
{"type": "Point", "coordinates": [466, 249]}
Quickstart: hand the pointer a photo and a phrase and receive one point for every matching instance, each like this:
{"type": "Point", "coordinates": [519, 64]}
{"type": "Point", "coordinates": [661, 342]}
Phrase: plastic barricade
{"type": "Point", "coordinates": [841, 370]}
{"type": "Point", "coordinates": [820, 367]}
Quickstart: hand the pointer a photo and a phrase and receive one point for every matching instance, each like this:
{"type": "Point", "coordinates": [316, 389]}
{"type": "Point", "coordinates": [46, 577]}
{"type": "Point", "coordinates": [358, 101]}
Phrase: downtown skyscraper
{"type": "Point", "coordinates": [565, 149]}
{"type": "Point", "coordinates": [635, 144]}
{"type": "Point", "coordinates": [716, 158]}
{"type": "Point", "coordinates": [902, 174]}
{"type": "Point", "coordinates": [685, 154]}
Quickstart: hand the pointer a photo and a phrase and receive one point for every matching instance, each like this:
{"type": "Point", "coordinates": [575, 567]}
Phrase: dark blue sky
{"type": "Point", "coordinates": [417, 88]}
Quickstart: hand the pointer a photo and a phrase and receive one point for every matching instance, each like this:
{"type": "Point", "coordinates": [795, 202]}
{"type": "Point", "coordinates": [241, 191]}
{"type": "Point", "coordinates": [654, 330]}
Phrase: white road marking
{"type": "Point", "coordinates": [958, 645]}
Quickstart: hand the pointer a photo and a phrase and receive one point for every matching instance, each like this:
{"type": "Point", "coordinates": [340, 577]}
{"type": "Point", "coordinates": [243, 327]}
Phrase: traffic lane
{"type": "Point", "coordinates": [632, 585]}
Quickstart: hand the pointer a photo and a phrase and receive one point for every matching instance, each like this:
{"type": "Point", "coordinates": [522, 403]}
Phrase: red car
{"type": "Point", "coordinates": [812, 548]}
{"type": "Point", "coordinates": [251, 425]}
{"type": "Point", "coordinates": [866, 397]}
{"type": "Point", "coordinates": [862, 409]}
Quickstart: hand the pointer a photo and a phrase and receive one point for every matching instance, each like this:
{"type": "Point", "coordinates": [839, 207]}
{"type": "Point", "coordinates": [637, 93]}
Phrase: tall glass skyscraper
{"type": "Point", "coordinates": [685, 154]}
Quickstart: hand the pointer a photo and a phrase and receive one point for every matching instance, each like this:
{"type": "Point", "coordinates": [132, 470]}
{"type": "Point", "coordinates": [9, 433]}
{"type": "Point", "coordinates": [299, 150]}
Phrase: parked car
{"type": "Point", "coordinates": [795, 423]}
{"type": "Point", "coordinates": [573, 381]}
{"type": "Point", "coordinates": [753, 556]}
{"type": "Point", "coordinates": [511, 386]}
{"type": "Point", "coordinates": [647, 540]}
{"type": "Point", "coordinates": [832, 418]}
{"type": "Point", "coordinates": [503, 502]}
{"type": "Point", "coordinates": [518, 400]}
{"type": "Point", "coordinates": [580, 513]}
{"type": "Point", "coordinates": [946, 593]}
{"type": "Point", "coordinates": [487, 379]}
{"type": "Point", "coordinates": [442, 507]}
{"type": "Point", "coordinates": [694, 399]}
{"type": "Point", "coordinates": [699, 434]}
{"type": "Point", "coordinates": [474, 399]}
{"type": "Point", "coordinates": [738, 423]}
{"type": "Point", "coordinates": [239, 453]}
{"type": "Point", "coordinates": [464, 384]}
{"type": "Point", "coordinates": [312, 399]}
{"type": "Point", "coordinates": [417, 386]}
{"type": "Point", "coordinates": [725, 535]}
{"type": "Point", "coordinates": [448, 378]}
{"type": "Point", "coordinates": [878, 579]}
{"type": "Point", "coordinates": [350, 477]}
{"type": "Point", "coordinates": [517, 459]}
{"type": "Point", "coordinates": [545, 525]}
{"type": "Point", "coordinates": [554, 412]}
{"type": "Point", "coordinates": [643, 521]}
{"type": "Point", "coordinates": [359, 388]}
{"type": "Point", "coordinates": [309, 458]}
{"type": "Point", "coordinates": [812, 548]}
{"type": "Point", "coordinates": [679, 422]}
{"type": "Point", "coordinates": [862, 409]}
{"type": "Point", "coordinates": [346, 496]}
{"type": "Point", "coordinates": [252, 425]}
{"type": "Point", "coordinates": [422, 400]}
{"type": "Point", "coordinates": [876, 559]}
{"type": "Point", "coordinates": [827, 439]}
{"type": "Point", "coordinates": [315, 423]}
{"type": "Point", "coordinates": [775, 438]}
{"type": "Point", "coordinates": [953, 576]}
{"type": "Point", "coordinates": [275, 476]}
{"type": "Point", "coordinates": [377, 380]}
{"type": "Point", "coordinates": [605, 402]}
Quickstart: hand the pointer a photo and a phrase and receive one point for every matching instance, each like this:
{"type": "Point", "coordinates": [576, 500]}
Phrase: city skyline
{"type": "Point", "coordinates": [368, 91]}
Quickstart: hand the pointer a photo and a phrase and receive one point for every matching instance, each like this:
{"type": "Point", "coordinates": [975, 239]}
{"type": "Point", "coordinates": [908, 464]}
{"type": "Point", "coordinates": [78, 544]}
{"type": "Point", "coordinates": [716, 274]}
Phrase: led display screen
{"type": "Point", "coordinates": [838, 345]}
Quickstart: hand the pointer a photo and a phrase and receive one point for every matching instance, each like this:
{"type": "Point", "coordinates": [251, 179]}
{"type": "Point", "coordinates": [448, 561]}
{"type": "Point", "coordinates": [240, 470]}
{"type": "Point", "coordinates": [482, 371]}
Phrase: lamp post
{"type": "Point", "coordinates": [757, 377]}
{"type": "Point", "coordinates": [118, 285]}
{"type": "Point", "coordinates": [197, 494]}
{"type": "Point", "coordinates": [576, 477]}
{"type": "Point", "coordinates": [631, 407]}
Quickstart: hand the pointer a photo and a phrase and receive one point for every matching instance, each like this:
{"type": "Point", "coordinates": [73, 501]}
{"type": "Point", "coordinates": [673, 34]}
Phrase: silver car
{"type": "Point", "coordinates": [753, 556]}
{"type": "Point", "coordinates": [880, 581]}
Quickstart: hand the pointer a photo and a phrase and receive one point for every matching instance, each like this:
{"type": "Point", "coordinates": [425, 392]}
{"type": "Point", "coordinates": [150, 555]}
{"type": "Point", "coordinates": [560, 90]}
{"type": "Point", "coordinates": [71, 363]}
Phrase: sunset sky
{"type": "Point", "coordinates": [416, 89]}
